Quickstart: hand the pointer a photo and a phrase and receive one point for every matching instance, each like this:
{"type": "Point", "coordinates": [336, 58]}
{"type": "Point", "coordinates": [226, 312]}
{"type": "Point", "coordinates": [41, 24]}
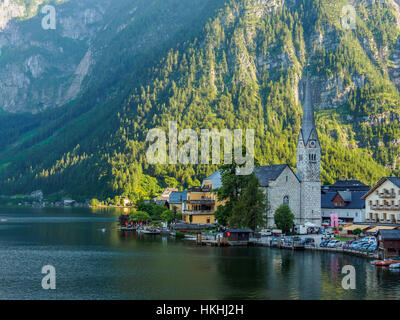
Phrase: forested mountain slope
{"type": "Point", "coordinates": [217, 64]}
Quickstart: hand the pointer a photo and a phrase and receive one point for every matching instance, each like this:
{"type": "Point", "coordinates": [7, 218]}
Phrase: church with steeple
{"type": "Point", "coordinates": [301, 191]}
{"type": "Point", "coordinates": [309, 163]}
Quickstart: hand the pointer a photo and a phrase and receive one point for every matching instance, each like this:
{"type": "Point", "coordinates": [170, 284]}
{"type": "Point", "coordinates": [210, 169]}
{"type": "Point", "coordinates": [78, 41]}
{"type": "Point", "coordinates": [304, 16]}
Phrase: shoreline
{"type": "Point", "coordinates": [360, 254]}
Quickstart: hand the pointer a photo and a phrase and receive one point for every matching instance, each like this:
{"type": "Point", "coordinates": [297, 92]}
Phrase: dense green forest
{"type": "Point", "coordinates": [237, 64]}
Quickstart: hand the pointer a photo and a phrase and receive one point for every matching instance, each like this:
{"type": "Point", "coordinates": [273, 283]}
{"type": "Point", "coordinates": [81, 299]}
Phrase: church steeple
{"type": "Point", "coordinates": [308, 124]}
{"type": "Point", "coordinates": [309, 162]}
{"type": "Point", "coordinates": [308, 148]}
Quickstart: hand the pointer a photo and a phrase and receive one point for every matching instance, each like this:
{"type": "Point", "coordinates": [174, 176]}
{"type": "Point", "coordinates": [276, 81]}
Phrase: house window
{"type": "Point", "coordinates": [286, 200]}
{"type": "Point", "coordinates": [287, 178]}
{"type": "Point", "coordinates": [301, 159]}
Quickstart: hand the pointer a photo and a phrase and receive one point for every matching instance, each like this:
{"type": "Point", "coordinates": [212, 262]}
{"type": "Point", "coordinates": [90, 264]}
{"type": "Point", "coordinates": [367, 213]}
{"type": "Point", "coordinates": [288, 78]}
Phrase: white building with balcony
{"type": "Point", "coordinates": [382, 202]}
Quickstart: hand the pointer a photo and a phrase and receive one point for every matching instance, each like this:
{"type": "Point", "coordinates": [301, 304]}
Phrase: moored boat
{"type": "Point", "coordinates": [395, 266]}
{"type": "Point", "coordinates": [150, 231]}
{"type": "Point", "coordinates": [386, 262]}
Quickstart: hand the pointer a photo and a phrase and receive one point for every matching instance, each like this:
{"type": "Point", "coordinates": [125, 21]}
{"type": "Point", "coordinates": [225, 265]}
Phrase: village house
{"type": "Point", "coordinates": [125, 201]}
{"type": "Point", "coordinates": [177, 201]}
{"type": "Point", "coordinates": [382, 202]}
{"type": "Point", "coordinates": [166, 193]}
{"type": "Point", "coordinates": [345, 199]}
{"type": "Point", "coordinates": [389, 243]}
{"type": "Point", "coordinates": [200, 205]}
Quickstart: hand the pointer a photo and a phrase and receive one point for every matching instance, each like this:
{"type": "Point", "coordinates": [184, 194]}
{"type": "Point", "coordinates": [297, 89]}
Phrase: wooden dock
{"type": "Point", "coordinates": [205, 241]}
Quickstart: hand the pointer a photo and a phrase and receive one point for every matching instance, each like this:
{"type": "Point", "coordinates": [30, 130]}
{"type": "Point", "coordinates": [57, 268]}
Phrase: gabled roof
{"type": "Point", "coordinates": [266, 174]}
{"type": "Point", "coordinates": [390, 234]}
{"type": "Point", "coordinates": [349, 183]}
{"type": "Point", "coordinates": [177, 197]}
{"type": "Point", "coordinates": [356, 201]}
{"type": "Point", "coordinates": [215, 179]}
{"type": "Point", "coordinates": [346, 195]}
{"type": "Point", "coordinates": [346, 185]}
{"type": "Point", "coordinates": [394, 180]}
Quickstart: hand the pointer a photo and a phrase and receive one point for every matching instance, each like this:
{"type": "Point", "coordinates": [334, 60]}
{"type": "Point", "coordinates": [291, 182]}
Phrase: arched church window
{"type": "Point", "coordinates": [286, 200]}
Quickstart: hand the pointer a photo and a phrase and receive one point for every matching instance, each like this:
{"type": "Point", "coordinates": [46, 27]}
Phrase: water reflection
{"type": "Point", "coordinates": [95, 261]}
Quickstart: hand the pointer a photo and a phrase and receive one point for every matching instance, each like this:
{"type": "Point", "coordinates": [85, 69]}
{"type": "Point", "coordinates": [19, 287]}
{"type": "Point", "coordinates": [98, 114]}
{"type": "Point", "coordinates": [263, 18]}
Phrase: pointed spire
{"type": "Point", "coordinates": [308, 123]}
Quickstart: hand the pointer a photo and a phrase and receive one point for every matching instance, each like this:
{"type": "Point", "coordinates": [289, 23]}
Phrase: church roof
{"type": "Point", "coordinates": [267, 173]}
{"type": "Point", "coordinates": [308, 124]}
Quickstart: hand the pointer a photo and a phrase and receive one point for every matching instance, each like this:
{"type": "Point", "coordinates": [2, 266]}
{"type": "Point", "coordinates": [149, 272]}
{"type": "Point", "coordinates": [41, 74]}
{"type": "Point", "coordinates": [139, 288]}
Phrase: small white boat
{"type": "Point", "coordinates": [395, 266]}
{"type": "Point", "coordinates": [190, 237]}
{"type": "Point", "coordinates": [150, 231]}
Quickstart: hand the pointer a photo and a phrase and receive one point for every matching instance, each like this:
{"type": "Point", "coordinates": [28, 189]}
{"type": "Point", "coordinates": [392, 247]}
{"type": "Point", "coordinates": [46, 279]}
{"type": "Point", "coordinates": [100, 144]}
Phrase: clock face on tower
{"type": "Point", "coordinates": [313, 144]}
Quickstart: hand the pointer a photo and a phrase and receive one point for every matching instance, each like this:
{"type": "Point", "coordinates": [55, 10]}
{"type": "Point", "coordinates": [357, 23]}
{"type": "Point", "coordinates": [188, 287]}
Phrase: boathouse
{"type": "Point", "coordinates": [238, 234]}
{"type": "Point", "coordinates": [389, 243]}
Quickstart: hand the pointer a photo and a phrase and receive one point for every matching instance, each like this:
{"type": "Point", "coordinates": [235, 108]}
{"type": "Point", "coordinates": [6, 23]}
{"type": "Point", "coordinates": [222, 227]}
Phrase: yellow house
{"type": "Point", "coordinates": [200, 206]}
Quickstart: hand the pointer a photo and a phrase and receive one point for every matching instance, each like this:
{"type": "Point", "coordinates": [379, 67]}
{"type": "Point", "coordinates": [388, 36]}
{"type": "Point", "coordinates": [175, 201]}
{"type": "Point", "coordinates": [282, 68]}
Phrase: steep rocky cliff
{"type": "Point", "coordinates": [119, 70]}
{"type": "Point", "coordinates": [41, 69]}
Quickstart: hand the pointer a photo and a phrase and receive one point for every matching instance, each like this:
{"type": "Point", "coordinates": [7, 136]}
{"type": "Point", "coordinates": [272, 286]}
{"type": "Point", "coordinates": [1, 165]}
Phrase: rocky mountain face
{"type": "Point", "coordinates": [117, 69]}
{"type": "Point", "coordinates": [41, 69]}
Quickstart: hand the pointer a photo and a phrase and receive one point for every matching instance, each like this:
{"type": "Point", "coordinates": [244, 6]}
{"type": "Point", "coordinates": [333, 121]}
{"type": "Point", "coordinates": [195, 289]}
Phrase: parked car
{"type": "Point", "coordinates": [324, 243]}
{"type": "Point", "coordinates": [364, 246]}
{"type": "Point", "coordinates": [309, 241]}
{"type": "Point", "coordinates": [326, 224]}
{"type": "Point", "coordinates": [266, 233]}
{"type": "Point", "coordinates": [370, 240]}
{"type": "Point", "coordinates": [334, 244]}
{"type": "Point", "coordinates": [347, 244]}
{"type": "Point", "coordinates": [358, 246]}
{"type": "Point", "coordinates": [372, 248]}
{"type": "Point", "coordinates": [355, 244]}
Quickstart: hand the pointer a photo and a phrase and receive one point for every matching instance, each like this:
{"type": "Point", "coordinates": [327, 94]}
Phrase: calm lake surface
{"type": "Point", "coordinates": [95, 264]}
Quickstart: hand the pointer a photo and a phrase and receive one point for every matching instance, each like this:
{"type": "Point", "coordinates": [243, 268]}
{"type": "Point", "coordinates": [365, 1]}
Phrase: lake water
{"type": "Point", "coordinates": [95, 264]}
